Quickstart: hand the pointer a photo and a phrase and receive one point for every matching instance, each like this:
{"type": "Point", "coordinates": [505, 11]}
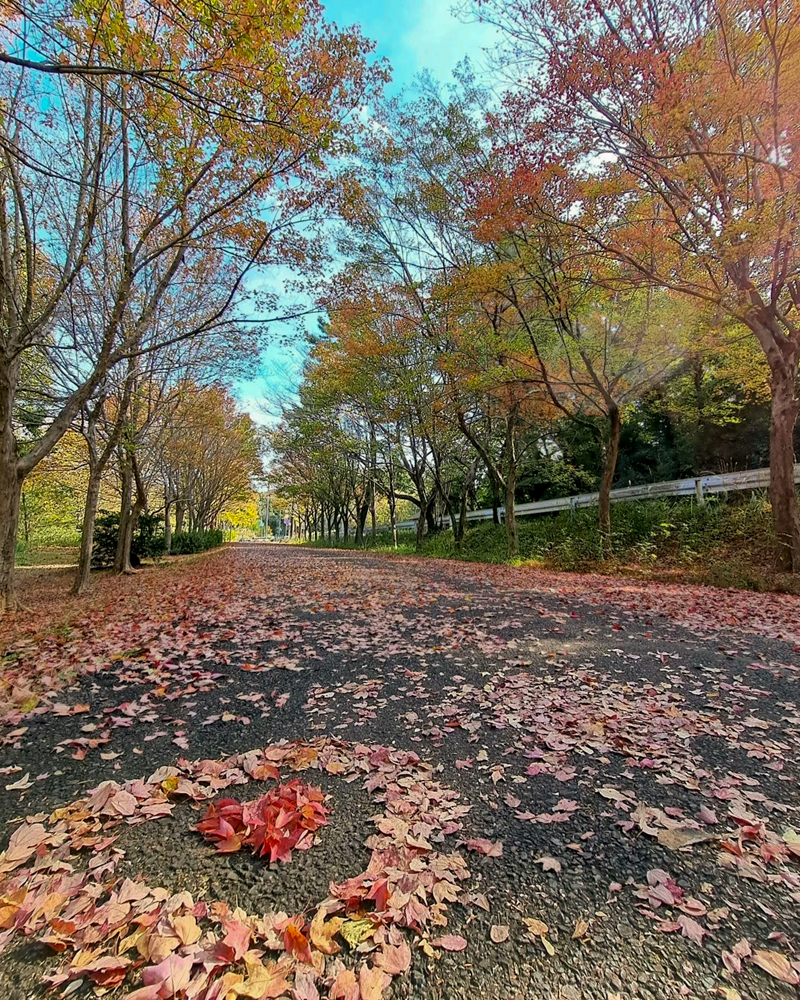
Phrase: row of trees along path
{"type": "Point", "coordinates": [632, 202]}
{"type": "Point", "coordinates": [152, 156]}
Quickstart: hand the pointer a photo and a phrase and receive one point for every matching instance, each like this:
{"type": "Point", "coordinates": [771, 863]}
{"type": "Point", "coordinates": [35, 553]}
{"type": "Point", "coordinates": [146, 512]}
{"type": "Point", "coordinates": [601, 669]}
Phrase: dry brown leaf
{"type": "Point", "coordinates": [581, 927]}
{"type": "Point", "coordinates": [536, 927]}
{"type": "Point", "coordinates": [499, 933]}
{"type": "Point", "coordinates": [549, 864]}
{"type": "Point", "coordinates": [776, 965]}
{"type": "Point", "coordinates": [187, 929]}
{"type": "Point", "coordinates": [683, 837]}
{"type": "Point", "coordinates": [372, 982]}
{"type": "Point", "coordinates": [323, 931]}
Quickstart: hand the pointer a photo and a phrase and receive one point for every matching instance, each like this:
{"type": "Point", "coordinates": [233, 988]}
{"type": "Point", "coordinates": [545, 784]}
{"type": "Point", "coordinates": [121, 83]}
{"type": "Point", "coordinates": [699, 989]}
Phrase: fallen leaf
{"type": "Point", "coordinates": [262, 981]}
{"type": "Point", "coordinates": [683, 837]}
{"type": "Point", "coordinates": [22, 783]}
{"type": "Point", "coordinates": [581, 927]}
{"type": "Point", "coordinates": [491, 850]}
{"type": "Point", "coordinates": [372, 982]}
{"type": "Point", "coordinates": [394, 959]}
{"type": "Point", "coordinates": [450, 942]}
{"type": "Point", "coordinates": [322, 932]}
{"type": "Point", "coordinates": [499, 933]}
{"type": "Point", "coordinates": [691, 929]}
{"type": "Point", "coordinates": [171, 976]}
{"type": "Point", "coordinates": [776, 965]}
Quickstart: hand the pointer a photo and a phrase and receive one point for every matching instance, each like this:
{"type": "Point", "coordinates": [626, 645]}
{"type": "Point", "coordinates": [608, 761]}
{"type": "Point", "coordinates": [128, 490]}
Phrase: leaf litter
{"type": "Point", "coordinates": [623, 737]}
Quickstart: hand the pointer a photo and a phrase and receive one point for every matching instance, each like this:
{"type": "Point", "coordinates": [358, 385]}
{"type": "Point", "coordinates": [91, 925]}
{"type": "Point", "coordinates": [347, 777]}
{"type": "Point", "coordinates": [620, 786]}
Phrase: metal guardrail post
{"type": "Point", "coordinates": [698, 489]}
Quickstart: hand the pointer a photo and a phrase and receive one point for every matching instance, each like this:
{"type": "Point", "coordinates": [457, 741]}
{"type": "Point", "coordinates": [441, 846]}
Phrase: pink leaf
{"type": "Point", "coordinates": [707, 816]}
{"type": "Point", "coordinates": [146, 993]}
{"type": "Point", "coordinates": [691, 929]}
{"type": "Point", "coordinates": [482, 846]}
{"type": "Point", "coordinates": [731, 962]}
{"type": "Point", "coordinates": [171, 975]}
{"type": "Point", "coordinates": [450, 942]}
{"type": "Point", "coordinates": [345, 986]}
{"type": "Point", "coordinates": [25, 840]}
{"type": "Point", "coordinates": [237, 938]}
{"type": "Point", "coordinates": [304, 987]}
{"type": "Point", "coordinates": [132, 892]}
{"type": "Point", "coordinates": [395, 960]}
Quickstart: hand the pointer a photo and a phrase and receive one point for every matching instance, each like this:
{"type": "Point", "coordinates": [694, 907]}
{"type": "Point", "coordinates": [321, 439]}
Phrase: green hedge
{"type": "Point", "coordinates": [728, 542]}
{"type": "Point", "coordinates": [188, 542]}
{"type": "Point", "coordinates": [147, 543]}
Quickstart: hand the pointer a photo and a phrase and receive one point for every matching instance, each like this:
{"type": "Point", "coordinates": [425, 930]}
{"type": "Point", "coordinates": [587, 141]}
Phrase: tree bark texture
{"type": "Point", "coordinates": [782, 488]}
{"type": "Point", "coordinates": [610, 457]}
{"type": "Point", "coordinates": [10, 486]}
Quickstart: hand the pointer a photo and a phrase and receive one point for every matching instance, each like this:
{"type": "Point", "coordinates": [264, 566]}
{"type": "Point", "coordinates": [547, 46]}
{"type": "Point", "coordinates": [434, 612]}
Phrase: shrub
{"type": "Point", "coordinates": [147, 543]}
{"type": "Point", "coordinates": [187, 543]}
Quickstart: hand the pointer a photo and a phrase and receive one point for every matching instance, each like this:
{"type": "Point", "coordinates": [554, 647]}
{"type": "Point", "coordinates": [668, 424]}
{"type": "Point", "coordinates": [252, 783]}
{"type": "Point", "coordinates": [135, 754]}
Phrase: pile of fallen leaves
{"type": "Point", "coordinates": [283, 820]}
{"type": "Point", "coordinates": [111, 930]}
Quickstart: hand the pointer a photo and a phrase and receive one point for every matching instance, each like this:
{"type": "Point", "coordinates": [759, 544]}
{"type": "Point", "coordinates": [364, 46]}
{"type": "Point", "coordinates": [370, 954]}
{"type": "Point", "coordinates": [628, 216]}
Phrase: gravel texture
{"type": "Point", "coordinates": [677, 701]}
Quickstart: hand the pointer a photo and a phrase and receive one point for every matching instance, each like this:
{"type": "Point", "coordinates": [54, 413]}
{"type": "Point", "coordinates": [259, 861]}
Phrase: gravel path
{"type": "Point", "coordinates": [593, 726]}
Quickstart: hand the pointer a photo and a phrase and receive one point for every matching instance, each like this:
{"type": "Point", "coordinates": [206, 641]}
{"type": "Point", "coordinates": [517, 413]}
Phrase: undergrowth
{"type": "Point", "coordinates": [729, 542]}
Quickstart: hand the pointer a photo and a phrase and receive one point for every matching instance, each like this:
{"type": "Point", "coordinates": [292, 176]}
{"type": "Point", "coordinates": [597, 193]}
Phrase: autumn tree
{"type": "Point", "coordinates": [405, 233]}
{"type": "Point", "coordinates": [679, 124]}
{"type": "Point", "coordinates": [214, 450]}
{"type": "Point", "coordinates": [590, 350]}
{"type": "Point", "coordinates": [118, 178]}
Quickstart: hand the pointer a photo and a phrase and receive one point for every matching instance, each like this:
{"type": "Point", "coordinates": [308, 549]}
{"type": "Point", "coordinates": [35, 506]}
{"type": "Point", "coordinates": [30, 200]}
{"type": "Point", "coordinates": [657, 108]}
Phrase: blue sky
{"type": "Point", "coordinates": [414, 35]}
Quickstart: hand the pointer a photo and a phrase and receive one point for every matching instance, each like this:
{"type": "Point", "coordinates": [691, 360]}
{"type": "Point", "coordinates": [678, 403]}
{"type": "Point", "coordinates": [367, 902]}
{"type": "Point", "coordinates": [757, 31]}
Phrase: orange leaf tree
{"type": "Point", "coordinates": [680, 124]}
{"type": "Point", "coordinates": [114, 182]}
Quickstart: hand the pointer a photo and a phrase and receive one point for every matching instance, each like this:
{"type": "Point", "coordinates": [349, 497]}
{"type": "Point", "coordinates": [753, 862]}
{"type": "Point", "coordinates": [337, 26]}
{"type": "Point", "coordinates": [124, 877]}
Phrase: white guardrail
{"type": "Point", "coordinates": [697, 487]}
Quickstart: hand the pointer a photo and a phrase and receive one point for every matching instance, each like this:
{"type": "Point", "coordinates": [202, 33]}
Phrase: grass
{"type": "Point", "coordinates": [53, 546]}
{"type": "Point", "coordinates": [47, 555]}
{"type": "Point", "coordinates": [726, 543]}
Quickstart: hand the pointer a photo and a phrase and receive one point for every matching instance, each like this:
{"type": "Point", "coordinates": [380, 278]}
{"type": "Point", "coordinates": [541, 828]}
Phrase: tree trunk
{"type": "Point", "coordinates": [392, 500]}
{"type": "Point", "coordinates": [84, 575]}
{"type": "Point", "coordinates": [782, 488]}
{"type": "Point", "coordinates": [10, 487]}
{"type": "Point", "coordinates": [421, 523]}
{"type": "Point", "coordinates": [430, 518]}
{"type": "Point", "coordinates": [180, 513]}
{"type": "Point", "coordinates": [495, 497]}
{"type": "Point", "coordinates": [136, 509]}
{"type": "Point", "coordinates": [610, 456]}
{"type": "Point", "coordinates": [167, 522]}
{"type": "Point", "coordinates": [510, 516]}
{"type": "Point", "coordinates": [459, 527]}
{"type": "Point", "coordinates": [512, 534]}
{"type": "Point", "coordinates": [361, 523]}
{"type": "Point", "coordinates": [123, 552]}
{"type": "Point", "coordinates": [26, 527]}
{"type": "Point", "coordinates": [10, 492]}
